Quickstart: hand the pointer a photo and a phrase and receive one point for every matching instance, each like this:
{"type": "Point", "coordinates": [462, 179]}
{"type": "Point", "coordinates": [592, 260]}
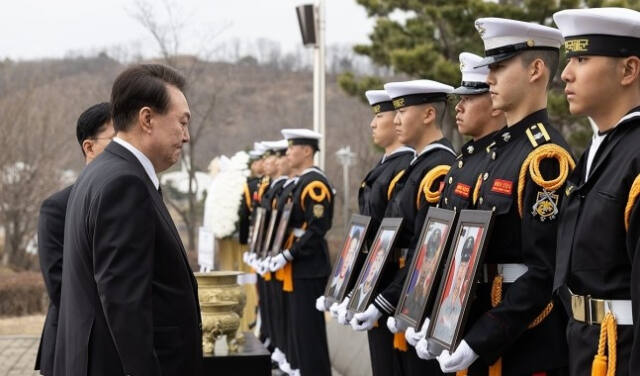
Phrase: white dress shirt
{"type": "Point", "coordinates": [144, 161]}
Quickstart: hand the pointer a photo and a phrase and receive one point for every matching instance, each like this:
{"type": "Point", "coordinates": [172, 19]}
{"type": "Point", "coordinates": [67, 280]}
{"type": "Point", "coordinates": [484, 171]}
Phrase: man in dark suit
{"type": "Point", "coordinates": [129, 301]}
{"type": "Point", "coordinates": [94, 131]}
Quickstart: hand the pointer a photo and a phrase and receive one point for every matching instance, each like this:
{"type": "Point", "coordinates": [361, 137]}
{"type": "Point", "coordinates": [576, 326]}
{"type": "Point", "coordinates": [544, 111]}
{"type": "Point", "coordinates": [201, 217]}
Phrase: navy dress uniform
{"type": "Point", "coordinates": [417, 188]}
{"type": "Point", "coordinates": [246, 207]}
{"type": "Point", "coordinates": [272, 289]}
{"type": "Point", "coordinates": [465, 173]}
{"type": "Point", "coordinates": [308, 266]}
{"type": "Point", "coordinates": [514, 326]}
{"type": "Point", "coordinates": [374, 194]}
{"type": "Point", "coordinates": [598, 270]}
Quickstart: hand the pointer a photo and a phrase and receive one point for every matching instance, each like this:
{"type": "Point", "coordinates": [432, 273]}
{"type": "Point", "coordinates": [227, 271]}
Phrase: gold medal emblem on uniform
{"type": "Point", "coordinates": [546, 205]}
{"type": "Point", "coordinates": [318, 211]}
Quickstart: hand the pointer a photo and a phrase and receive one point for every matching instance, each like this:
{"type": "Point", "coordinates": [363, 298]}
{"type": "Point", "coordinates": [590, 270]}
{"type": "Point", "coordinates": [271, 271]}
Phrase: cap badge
{"type": "Point", "coordinates": [506, 136]}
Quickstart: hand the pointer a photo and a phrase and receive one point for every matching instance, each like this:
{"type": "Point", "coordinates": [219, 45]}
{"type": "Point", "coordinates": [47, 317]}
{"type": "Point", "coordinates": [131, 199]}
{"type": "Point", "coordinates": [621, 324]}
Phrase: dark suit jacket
{"type": "Point", "coordinates": [129, 301]}
{"type": "Point", "coordinates": [50, 238]}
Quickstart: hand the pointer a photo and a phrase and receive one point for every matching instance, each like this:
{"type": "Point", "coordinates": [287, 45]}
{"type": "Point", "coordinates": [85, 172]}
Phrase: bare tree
{"type": "Point", "coordinates": [202, 90]}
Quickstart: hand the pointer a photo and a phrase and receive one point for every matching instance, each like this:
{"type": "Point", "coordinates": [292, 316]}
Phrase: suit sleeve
{"type": "Point", "coordinates": [318, 215]}
{"type": "Point", "coordinates": [497, 329]}
{"type": "Point", "coordinates": [123, 256]}
{"type": "Point", "coordinates": [50, 245]}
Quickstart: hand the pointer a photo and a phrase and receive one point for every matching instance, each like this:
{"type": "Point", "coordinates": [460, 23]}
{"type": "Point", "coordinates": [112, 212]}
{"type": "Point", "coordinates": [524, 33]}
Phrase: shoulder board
{"type": "Point", "coordinates": [531, 167]}
{"type": "Point", "coordinates": [633, 197]}
{"type": "Point", "coordinates": [427, 182]}
{"type": "Point", "coordinates": [317, 190]}
{"type": "Point", "coordinates": [393, 183]}
{"type": "Point", "coordinates": [537, 135]}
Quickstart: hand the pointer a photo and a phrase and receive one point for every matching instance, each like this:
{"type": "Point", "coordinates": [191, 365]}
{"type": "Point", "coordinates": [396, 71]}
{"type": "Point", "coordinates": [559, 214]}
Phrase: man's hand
{"type": "Point", "coordinates": [277, 262]}
{"type": "Point", "coordinates": [413, 337]}
{"type": "Point", "coordinates": [320, 304]}
{"type": "Point", "coordinates": [461, 359]}
{"type": "Point", "coordinates": [365, 320]}
{"type": "Point", "coordinates": [392, 325]}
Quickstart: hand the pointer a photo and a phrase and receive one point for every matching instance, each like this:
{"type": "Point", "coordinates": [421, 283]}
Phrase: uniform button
{"type": "Point", "coordinates": [460, 164]}
{"type": "Point", "coordinates": [485, 176]}
{"type": "Point", "coordinates": [446, 200]}
{"type": "Point", "coordinates": [493, 155]}
{"type": "Point", "coordinates": [450, 179]}
{"type": "Point", "coordinates": [480, 200]}
{"type": "Point", "coordinates": [493, 208]}
{"type": "Point", "coordinates": [455, 208]}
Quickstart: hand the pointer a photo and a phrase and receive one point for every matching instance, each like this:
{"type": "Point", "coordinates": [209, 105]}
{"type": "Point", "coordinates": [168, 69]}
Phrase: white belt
{"type": "Point", "coordinates": [298, 232]}
{"type": "Point", "coordinates": [592, 311]}
{"type": "Point", "coordinates": [509, 272]}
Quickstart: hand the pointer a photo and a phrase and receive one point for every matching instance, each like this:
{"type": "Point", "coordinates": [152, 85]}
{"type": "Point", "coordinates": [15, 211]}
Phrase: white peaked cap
{"type": "Point", "coordinates": [504, 38]}
{"type": "Point", "coordinates": [377, 96]}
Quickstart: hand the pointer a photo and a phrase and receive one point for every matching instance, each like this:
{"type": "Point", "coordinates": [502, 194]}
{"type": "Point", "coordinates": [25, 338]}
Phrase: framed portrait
{"type": "Point", "coordinates": [281, 231]}
{"type": "Point", "coordinates": [257, 230]}
{"type": "Point", "coordinates": [268, 235]}
{"type": "Point", "coordinates": [456, 286]}
{"type": "Point", "coordinates": [373, 266]}
{"type": "Point", "coordinates": [418, 292]}
{"type": "Point", "coordinates": [350, 258]}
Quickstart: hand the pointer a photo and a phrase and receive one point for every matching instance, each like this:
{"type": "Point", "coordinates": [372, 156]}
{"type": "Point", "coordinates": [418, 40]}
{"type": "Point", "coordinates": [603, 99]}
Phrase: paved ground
{"type": "Point", "coordinates": [17, 355]}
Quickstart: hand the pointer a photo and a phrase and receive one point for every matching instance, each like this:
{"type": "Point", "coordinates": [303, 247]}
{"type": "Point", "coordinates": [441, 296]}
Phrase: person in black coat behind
{"type": "Point", "coordinates": [94, 131]}
{"type": "Point", "coordinates": [129, 302]}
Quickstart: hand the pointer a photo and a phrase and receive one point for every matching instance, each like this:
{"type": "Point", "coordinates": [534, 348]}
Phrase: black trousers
{"type": "Point", "coordinates": [263, 308]}
{"type": "Point", "coordinates": [583, 346]}
{"type": "Point", "coordinates": [408, 364]}
{"type": "Point", "coordinates": [279, 315]}
{"type": "Point", "coordinates": [308, 328]}
{"type": "Point", "coordinates": [381, 349]}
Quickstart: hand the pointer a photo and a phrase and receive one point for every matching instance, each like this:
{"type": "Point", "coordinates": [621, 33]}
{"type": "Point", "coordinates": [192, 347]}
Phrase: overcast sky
{"type": "Point", "coordinates": [44, 28]}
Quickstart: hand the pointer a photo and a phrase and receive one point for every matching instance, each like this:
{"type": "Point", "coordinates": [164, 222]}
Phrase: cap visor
{"type": "Point", "coordinates": [495, 58]}
{"type": "Point", "coordinates": [463, 90]}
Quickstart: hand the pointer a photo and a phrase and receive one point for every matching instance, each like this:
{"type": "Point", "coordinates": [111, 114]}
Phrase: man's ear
{"type": "Point", "coordinates": [87, 147]}
{"type": "Point", "coordinates": [145, 117]}
{"type": "Point", "coordinates": [630, 70]}
{"type": "Point", "coordinates": [537, 70]}
{"type": "Point", "coordinates": [429, 114]}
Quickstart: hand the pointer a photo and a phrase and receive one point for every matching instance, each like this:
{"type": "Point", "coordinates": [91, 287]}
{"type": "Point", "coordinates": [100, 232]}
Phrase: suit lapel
{"type": "Point", "coordinates": [122, 152]}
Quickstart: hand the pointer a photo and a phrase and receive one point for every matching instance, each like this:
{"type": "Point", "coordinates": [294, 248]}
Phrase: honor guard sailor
{"type": "Point", "coordinates": [249, 189]}
{"type": "Point", "coordinates": [598, 268]}
{"type": "Point", "coordinates": [475, 118]}
{"type": "Point", "coordinates": [514, 326]}
{"type": "Point", "coordinates": [376, 190]}
{"type": "Point", "coordinates": [306, 261]}
{"type": "Point", "coordinates": [421, 107]}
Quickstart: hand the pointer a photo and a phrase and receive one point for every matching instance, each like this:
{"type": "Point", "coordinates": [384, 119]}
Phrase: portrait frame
{"type": "Point", "coordinates": [351, 257]}
{"type": "Point", "coordinates": [281, 230]}
{"type": "Point", "coordinates": [421, 285]}
{"type": "Point", "coordinates": [466, 253]}
{"type": "Point", "coordinates": [268, 235]}
{"type": "Point", "coordinates": [369, 276]}
{"type": "Point", "coordinates": [257, 229]}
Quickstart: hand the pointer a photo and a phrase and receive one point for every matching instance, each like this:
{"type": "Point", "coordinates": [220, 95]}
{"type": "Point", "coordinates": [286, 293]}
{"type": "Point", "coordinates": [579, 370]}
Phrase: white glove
{"type": "Point", "coordinates": [263, 265]}
{"type": "Point", "coordinates": [245, 257]}
{"type": "Point", "coordinates": [252, 258]}
{"type": "Point", "coordinates": [277, 262]}
{"type": "Point", "coordinates": [341, 312]}
{"type": "Point", "coordinates": [320, 304]}
{"type": "Point", "coordinates": [461, 359]}
{"type": "Point", "coordinates": [365, 320]}
{"type": "Point", "coordinates": [413, 337]}
{"type": "Point", "coordinates": [392, 325]}
{"type": "Point", "coordinates": [422, 349]}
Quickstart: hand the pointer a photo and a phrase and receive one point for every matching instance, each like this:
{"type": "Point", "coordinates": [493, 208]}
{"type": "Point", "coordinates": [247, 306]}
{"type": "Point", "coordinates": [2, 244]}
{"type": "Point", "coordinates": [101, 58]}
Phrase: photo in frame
{"type": "Point", "coordinates": [268, 235]}
{"type": "Point", "coordinates": [257, 230]}
{"type": "Point", "coordinates": [281, 231]}
{"type": "Point", "coordinates": [419, 290]}
{"type": "Point", "coordinates": [374, 264]}
{"type": "Point", "coordinates": [350, 258]}
{"type": "Point", "coordinates": [457, 284]}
